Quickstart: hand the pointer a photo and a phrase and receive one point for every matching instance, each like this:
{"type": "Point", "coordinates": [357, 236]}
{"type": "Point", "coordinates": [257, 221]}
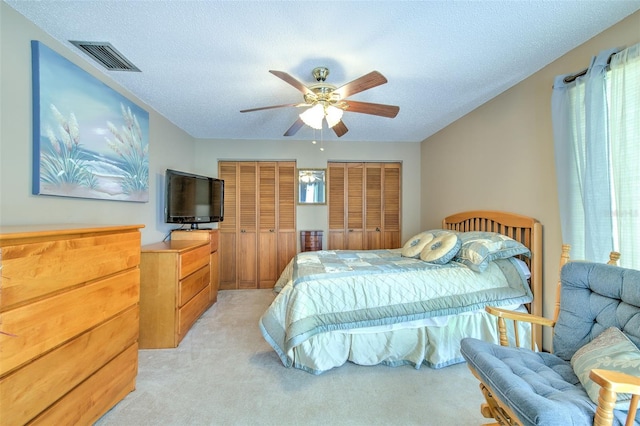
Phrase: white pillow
{"type": "Point", "coordinates": [415, 244]}
{"type": "Point", "coordinates": [441, 249]}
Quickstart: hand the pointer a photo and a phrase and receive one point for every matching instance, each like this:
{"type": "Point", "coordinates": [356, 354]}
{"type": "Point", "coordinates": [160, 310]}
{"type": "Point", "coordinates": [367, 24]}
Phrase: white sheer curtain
{"type": "Point", "coordinates": [624, 124]}
{"type": "Point", "coordinates": [596, 125]}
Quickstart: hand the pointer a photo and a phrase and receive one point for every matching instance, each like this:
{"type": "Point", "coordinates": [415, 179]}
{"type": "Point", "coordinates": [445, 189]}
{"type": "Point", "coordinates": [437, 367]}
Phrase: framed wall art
{"type": "Point", "coordinates": [89, 141]}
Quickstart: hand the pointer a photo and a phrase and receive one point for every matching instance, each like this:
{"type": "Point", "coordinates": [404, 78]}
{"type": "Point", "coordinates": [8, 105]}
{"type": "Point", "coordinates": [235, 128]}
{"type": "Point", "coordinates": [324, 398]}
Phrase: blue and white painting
{"type": "Point", "coordinates": [89, 141]}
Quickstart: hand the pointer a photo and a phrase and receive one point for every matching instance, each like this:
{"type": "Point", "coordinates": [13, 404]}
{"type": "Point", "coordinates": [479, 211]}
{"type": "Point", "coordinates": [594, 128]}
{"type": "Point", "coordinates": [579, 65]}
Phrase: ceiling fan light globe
{"type": "Point", "coordinates": [313, 116]}
{"type": "Point", "coordinates": [334, 115]}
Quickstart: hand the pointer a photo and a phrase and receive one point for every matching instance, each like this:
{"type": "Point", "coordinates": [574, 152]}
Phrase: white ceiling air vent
{"type": "Point", "coordinates": [106, 55]}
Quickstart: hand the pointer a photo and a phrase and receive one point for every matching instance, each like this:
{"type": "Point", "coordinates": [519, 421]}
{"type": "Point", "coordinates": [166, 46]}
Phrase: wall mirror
{"type": "Point", "coordinates": [311, 186]}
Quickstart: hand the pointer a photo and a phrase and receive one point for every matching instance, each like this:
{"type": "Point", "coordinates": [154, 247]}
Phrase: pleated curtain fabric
{"type": "Point", "coordinates": [596, 126]}
{"type": "Point", "coordinates": [624, 129]}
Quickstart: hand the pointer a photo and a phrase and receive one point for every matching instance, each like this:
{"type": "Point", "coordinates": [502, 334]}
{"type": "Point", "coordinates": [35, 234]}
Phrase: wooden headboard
{"type": "Point", "coordinates": [524, 229]}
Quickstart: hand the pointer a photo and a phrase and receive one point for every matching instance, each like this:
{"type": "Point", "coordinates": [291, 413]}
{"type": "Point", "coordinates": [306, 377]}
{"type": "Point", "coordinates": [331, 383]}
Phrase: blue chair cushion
{"type": "Point", "coordinates": [594, 297]}
{"type": "Point", "coordinates": [540, 388]}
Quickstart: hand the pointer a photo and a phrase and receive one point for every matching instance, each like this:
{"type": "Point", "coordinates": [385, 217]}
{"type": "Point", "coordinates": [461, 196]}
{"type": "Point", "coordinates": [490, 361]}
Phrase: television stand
{"type": "Point", "coordinates": [194, 226]}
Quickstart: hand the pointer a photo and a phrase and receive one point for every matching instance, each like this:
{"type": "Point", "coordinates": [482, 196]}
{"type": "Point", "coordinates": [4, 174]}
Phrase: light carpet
{"type": "Point", "coordinates": [224, 373]}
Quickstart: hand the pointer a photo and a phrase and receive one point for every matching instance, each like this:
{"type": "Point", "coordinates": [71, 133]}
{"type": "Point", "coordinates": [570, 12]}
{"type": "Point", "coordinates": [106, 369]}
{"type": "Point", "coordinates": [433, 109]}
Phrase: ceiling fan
{"type": "Point", "coordinates": [326, 101]}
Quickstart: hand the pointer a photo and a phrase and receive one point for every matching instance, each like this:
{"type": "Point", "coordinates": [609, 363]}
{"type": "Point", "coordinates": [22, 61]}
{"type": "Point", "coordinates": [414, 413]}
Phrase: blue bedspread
{"type": "Point", "coordinates": [337, 290]}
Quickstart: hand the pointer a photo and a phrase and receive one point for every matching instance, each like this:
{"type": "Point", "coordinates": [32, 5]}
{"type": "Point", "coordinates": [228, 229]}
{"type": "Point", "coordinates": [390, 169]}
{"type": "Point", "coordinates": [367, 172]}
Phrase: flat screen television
{"type": "Point", "coordinates": [193, 199]}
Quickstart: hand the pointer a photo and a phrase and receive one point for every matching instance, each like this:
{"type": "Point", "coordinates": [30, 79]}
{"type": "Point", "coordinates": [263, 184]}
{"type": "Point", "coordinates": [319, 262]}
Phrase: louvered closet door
{"type": "Point", "coordinates": [228, 228]}
{"type": "Point", "coordinates": [286, 217]}
{"type": "Point", "coordinates": [246, 256]}
{"type": "Point", "coordinates": [258, 234]}
{"type": "Point", "coordinates": [346, 206]}
{"type": "Point", "coordinates": [355, 206]}
{"type": "Point", "coordinates": [267, 236]}
{"type": "Point", "coordinates": [364, 205]}
{"type": "Point", "coordinates": [392, 212]}
{"type": "Point", "coordinates": [373, 205]}
{"type": "Point", "coordinates": [336, 181]}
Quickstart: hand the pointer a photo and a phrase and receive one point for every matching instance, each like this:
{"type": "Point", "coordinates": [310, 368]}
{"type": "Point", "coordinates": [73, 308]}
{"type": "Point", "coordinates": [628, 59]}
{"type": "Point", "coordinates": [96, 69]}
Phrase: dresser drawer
{"type": "Point", "coordinates": [192, 260]}
{"type": "Point", "coordinates": [190, 312]}
{"type": "Point", "coordinates": [87, 402]}
{"type": "Point", "coordinates": [210, 235]}
{"type": "Point", "coordinates": [34, 329]}
{"type": "Point", "coordinates": [56, 265]}
{"type": "Point", "coordinates": [192, 285]}
{"type": "Point", "coordinates": [42, 382]}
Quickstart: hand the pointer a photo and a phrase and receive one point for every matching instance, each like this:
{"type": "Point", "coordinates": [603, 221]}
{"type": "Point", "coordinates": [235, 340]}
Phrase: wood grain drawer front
{"type": "Point", "coordinates": [193, 284]}
{"type": "Point", "coordinates": [310, 240]}
{"type": "Point", "coordinates": [87, 402]}
{"type": "Point", "coordinates": [214, 241]}
{"type": "Point", "coordinates": [56, 265]}
{"type": "Point", "coordinates": [210, 235]}
{"type": "Point", "coordinates": [42, 382]}
{"type": "Point", "coordinates": [34, 329]}
{"type": "Point", "coordinates": [190, 312]}
{"type": "Point", "coordinates": [192, 260]}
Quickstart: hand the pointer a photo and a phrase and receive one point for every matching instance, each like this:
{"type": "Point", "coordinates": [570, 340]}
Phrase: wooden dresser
{"type": "Point", "coordinates": [174, 290]}
{"type": "Point", "coordinates": [310, 240]}
{"type": "Point", "coordinates": [211, 236]}
{"type": "Point", "coordinates": [68, 321]}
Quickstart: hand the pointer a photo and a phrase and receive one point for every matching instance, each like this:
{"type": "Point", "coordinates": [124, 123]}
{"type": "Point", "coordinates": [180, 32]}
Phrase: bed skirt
{"type": "Point", "coordinates": [435, 346]}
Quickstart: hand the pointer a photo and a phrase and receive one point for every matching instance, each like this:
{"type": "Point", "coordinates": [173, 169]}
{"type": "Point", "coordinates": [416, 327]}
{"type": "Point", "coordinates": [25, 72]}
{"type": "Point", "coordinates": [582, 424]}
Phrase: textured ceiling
{"type": "Point", "coordinates": [204, 61]}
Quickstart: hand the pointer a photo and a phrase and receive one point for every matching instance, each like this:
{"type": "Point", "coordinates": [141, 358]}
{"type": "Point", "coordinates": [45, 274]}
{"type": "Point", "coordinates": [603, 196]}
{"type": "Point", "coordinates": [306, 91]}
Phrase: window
{"type": "Point", "coordinates": [596, 120]}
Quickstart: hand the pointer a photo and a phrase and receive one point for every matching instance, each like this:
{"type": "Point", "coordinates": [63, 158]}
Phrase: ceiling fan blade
{"type": "Point", "coordinates": [367, 81]}
{"type": "Point", "coordinates": [292, 81]}
{"type": "Point", "coordinates": [370, 108]}
{"type": "Point", "coordinates": [340, 129]}
{"type": "Point", "coordinates": [294, 127]}
{"type": "Point", "coordinates": [272, 107]}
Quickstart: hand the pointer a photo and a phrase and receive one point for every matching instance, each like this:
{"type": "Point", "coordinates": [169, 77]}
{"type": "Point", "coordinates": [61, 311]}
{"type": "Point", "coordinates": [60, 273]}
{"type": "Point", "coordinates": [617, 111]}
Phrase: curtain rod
{"type": "Point", "coordinates": [571, 78]}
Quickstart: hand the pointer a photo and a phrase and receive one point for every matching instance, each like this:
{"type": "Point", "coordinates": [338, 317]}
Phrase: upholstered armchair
{"type": "Point", "coordinates": [593, 374]}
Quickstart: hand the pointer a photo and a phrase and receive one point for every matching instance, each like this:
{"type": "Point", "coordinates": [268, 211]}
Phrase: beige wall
{"type": "Point", "coordinates": [501, 156]}
{"type": "Point", "coordinates": [208, 152]}
{"type": "Point", "coordinates": [169, 146]}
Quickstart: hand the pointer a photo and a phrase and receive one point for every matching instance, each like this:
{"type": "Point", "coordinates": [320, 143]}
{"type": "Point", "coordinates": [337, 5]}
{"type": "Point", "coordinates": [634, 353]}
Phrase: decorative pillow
{"type": "Point", "coordinates": [611, 350]}
{"type": "Point", "coordinates": [441, 249]}
{"type": "Point", "coordinates": [479, 248]}
{"type": "Point", "coordinates": [415, 244]}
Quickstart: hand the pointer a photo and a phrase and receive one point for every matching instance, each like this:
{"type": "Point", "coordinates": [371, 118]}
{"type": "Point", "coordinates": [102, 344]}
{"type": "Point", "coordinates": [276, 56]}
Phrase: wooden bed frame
{"type": "Point", "coordinates": [523, 229]}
